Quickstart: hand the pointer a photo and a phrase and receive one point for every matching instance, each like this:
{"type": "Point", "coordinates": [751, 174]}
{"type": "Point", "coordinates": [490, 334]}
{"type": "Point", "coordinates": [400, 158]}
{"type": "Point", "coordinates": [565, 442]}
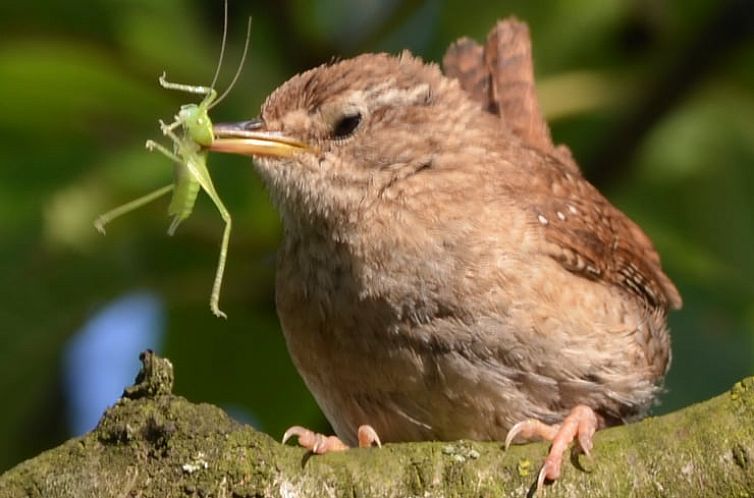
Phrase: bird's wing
{"type": "Point", "coordinates": [590, 237]}
{"type": "Point", "coordinates": [582, 230]}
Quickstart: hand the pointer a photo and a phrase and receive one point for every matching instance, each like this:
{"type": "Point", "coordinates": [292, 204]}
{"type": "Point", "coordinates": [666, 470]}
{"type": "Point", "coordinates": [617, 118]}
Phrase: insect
{"type": "Point", "coordinates": [190, 133]}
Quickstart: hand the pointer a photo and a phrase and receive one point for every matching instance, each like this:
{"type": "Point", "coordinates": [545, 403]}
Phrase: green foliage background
{"type": "Point", "coordinates": [656, 99]}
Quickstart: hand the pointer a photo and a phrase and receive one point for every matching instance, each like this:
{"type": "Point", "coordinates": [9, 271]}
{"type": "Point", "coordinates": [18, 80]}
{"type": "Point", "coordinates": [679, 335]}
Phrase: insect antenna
{"type": "Point", "coordinates": [240, 66]}
{"type": "Point", "coordinates": [222, 46]}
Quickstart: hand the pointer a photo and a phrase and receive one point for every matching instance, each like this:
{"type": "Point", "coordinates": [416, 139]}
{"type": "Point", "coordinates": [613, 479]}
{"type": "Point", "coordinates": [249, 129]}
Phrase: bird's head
{"type": "Point", "coordinates": [330, 142]}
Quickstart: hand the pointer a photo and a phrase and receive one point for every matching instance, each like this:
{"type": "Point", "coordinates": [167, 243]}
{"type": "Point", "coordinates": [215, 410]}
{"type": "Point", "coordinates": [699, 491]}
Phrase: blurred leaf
{"type": "Point", "coordinates": [62, 88]}
{"type": "Point", "coordinates": [579, 92]}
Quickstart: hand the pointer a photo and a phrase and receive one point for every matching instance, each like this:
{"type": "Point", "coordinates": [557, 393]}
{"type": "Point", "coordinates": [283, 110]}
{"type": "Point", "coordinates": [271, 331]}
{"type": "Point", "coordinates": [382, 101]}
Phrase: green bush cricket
{"type": "Point", "coordinates": [191, 134]}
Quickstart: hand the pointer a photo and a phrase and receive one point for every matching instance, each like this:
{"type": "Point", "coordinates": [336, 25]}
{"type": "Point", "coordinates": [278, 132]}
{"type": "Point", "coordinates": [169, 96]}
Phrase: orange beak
{"type": "Point", "coordinates": [250, 138]}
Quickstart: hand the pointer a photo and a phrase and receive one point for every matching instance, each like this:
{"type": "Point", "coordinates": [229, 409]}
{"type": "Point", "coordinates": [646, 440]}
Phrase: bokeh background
{"type": "Point", "coordinates": [655, 98]}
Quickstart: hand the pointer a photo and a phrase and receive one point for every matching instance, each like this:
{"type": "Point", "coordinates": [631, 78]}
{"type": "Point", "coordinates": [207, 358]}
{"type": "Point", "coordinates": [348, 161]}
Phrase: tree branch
{"type": "Point", "coordinates": [154, 444]}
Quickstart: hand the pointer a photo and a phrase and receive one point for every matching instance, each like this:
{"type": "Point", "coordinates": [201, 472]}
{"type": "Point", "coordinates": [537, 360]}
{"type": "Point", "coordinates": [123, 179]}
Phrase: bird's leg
{"type": "Point", "coordinates": [319, 443]}
{"type": "Point", "coordinates": [580, 424]}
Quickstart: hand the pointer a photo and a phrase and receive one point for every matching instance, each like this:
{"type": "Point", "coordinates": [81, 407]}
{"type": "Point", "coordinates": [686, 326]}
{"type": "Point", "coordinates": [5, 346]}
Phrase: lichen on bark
{"type": "Point", "coordinates": [152, 443]}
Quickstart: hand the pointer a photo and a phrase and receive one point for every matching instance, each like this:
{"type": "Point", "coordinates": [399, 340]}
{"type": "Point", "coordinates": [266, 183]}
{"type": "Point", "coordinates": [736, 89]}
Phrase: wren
{"type": "Point", "coordinates": [446, 271]}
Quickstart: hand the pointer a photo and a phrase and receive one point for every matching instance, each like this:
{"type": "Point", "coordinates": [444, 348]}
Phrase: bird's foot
{"type": "Point", "coordinates": [580, 424]}
{"type": "Point", "coordinates": [319, 443]}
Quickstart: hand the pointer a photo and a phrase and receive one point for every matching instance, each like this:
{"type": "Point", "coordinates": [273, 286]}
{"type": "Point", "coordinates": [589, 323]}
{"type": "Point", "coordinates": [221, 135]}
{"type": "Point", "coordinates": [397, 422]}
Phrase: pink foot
{"type": "Point", "coordinates": [319, 443]}
{"type": "Point", "coordinates": [580, 424]}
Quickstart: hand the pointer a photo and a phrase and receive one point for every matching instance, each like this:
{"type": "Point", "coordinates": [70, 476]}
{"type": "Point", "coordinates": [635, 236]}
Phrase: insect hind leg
{"type": "Point", "coordinates": [217, 284]}
{"type": "Point", "coordinates": [119, 211]}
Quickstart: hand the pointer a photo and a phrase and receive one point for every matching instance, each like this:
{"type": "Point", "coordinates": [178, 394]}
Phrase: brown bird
{"type": "Point", "coordinates": [446, 272]}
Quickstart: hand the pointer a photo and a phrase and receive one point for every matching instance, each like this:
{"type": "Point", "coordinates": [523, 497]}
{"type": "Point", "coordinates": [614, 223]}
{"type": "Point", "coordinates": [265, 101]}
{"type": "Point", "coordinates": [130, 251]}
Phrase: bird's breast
{"type": "Point", "coordinates": [457, 338]}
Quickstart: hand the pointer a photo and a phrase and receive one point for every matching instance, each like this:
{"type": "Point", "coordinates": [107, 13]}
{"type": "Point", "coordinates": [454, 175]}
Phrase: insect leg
{"type": "Point", "coordinates": [201, 90]}
{"type": "Point", "coordinates": [151, 145]}
{"type": "Point", "coordinates": [198, 170]}
{"type": "Point", "coordinates": [215, 297]}
{"type": "Point", "coordinates": [109, 216]}
{"type": "Point", "coordinates": [169, 127]}
{"type": "Point", "coordinates": [167, 130]}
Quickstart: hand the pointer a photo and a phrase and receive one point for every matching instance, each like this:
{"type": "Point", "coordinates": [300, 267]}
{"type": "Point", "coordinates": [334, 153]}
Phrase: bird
{"type": "Point", "coordinates": [446, 271]}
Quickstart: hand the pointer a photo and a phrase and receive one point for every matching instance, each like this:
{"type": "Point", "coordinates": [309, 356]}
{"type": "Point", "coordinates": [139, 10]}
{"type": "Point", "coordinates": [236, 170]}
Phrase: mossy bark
{"type": "Point", "coordinates": [155, 444]}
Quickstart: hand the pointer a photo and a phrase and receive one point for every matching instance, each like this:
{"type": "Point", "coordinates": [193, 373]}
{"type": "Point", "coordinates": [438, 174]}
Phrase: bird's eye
{"type": "Point", "coordinates": [346, 125]}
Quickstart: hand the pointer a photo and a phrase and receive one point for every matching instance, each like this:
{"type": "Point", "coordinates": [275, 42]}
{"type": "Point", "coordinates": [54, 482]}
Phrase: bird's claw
{"type": "Point", "coordinates": [368, 436]}
{"type": "Point", "coordinates": [579, 425]}
{"type": "Point", "coordinates": [320, 444]}
{"type": "Point", "coordinates": [313, 441]}
{"type": "Point", "coordinates": [531, 429]}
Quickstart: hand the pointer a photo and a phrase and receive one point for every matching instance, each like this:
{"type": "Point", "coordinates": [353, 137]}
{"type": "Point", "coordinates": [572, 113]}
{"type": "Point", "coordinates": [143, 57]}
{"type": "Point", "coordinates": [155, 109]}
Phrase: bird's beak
{"type": "Point", "coordinates": [251, 138]}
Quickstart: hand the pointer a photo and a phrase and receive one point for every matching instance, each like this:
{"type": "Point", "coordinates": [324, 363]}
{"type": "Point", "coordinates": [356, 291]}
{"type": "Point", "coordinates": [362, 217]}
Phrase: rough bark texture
{"type": "Point", "coordinates": [155, 444]}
